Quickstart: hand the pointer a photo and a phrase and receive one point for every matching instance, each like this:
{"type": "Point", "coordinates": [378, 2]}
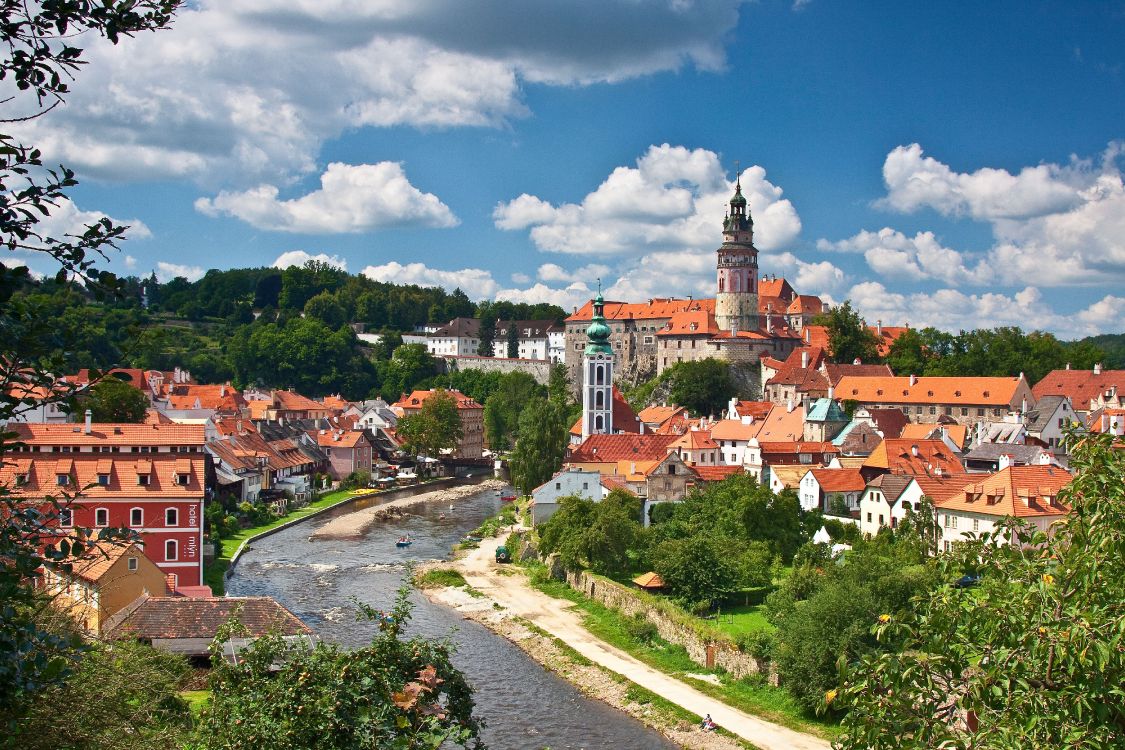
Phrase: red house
{"type": "Point", "coordinates": [146, 477]}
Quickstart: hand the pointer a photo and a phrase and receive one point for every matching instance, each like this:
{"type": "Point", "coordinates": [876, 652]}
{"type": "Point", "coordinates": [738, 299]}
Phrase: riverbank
{"type": "Point", "coordinates": [508, 588]}
{"type": "Point", "coordinates": [354, 525]}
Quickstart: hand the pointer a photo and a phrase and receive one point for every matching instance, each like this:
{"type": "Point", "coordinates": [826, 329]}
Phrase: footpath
{"type": "Point", "coordinates": [556, 618]}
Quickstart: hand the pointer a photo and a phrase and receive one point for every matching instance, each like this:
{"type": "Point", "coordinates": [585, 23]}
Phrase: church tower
{"type": "Point", "coordinates": [597, 376]}
{"type": "Point", "coordinates": [736, 300]}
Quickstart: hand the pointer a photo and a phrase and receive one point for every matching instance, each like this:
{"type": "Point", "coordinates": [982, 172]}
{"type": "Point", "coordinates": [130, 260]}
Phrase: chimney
{"type": "Point", "coordinates": [808, 336]}
{"type": "Point", "coordinates": [89, 421]}
{"type": "Point", "coordinates": [913, 379]}
{"type": "Point", "coordinates": [1068, 365]}
{"type": "Point", "coordinates": [831, 393]}
{"type": "Point", "coordinates": [879, 328]}
{"type": "Point", "coordinates": [222, 391]}
{"type": "Point", "coordinates": [1098, 368]}
{"type": "Point", "coordinates": [857, 361]}
{"type": "Point", "coordinates": [937, 471]}
{"type": "Point", "coordinates": [789, 406]}
{"type": "Point", "coordinates": [769, 323]}
{"type": "Point", "coordinates": [804, 360]}
{"type": "Point", "coordinates": [1005, 461]}
{"type": "Point", "coordinates": [1023, 405]}
{"type": "Point", "coordinates": [914, 451]}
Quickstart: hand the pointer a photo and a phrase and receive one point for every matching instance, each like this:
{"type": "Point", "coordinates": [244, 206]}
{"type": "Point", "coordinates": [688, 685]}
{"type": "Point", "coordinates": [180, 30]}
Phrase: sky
{"type": "Point", "coordinates": [949, 164]}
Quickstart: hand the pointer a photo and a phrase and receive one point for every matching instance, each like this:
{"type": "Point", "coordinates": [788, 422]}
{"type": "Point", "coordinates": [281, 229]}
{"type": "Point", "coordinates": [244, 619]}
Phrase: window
{"type": "Point", "coordinates": [136, 517]}
{"type": "Point", "coordinates": [585, 485]}
{"type": "Point", "coordinates": [558, 485]}
{"type": "Point", "coordinates": [980, 412]}
{"type": "Point", "coordinates": [21, 480]}
{"type": "Point", "coordinates": [171, 517]}
{"type": "Point", "coordinates": [933, 410]}
{"type": "Point", "coordinates": [142, 480]}
{"type": "Point", "coordinates": [170, 551]}
{"type": "Point", "coordinates": [671, 468]}
{"type": "Point", "coordinates": [61, 480]}
{"type": "Point", "coordinates": [183, 479]}
{"type": "Point", "coordinates": [648, 339]}
{"type": "Point", "coordinates": [948, 546]}
{"type": "Point", "coordinates": [101, 517]}
{"type": "Point", "coordinates": [869, 518]}
{"type": "Point", "coordinates": [66, 517]}
{"type": "Point", "coordinates": [976, 524]}
{"type": "Point", "coordinates": [132, 563]}
{"type": "Point", "coordinates": [103, 480]}
{"type": "Point", "coordinates": [880, 519]}
{"type": "Point", "coordinates": [964, 411]}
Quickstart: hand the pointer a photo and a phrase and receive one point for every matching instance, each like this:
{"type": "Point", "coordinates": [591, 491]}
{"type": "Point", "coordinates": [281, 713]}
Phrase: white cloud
{"type": "Point", "coordinates": [520, 278]}
{"type": "Point", "coordinates": [819, 278]}
{"type": "Point", "coordinates": [568, 298]}
{"type": "Point", "coordinates": [953, 310]}
{"type": "Point", "coordinates": [130, 261]}
{"type": "Point", "coordinates": [587, 274]}
{"type": "Point", "coordinates": [475, 282]}
{"type": "Point", "coordinates": [673, 200]}
{"type": "Point", "coordinates": [351, 199]}
{"type": "Point", "coordinates": [165, 272]}
{"type": "Point", "coordinates": [248, 90]}
{"type": "Point", "coordinates": [65, 218]}
{"type": "Point", "coordinates": [894, 255]}
{"type": "Point", "coordinates": [300, 258]}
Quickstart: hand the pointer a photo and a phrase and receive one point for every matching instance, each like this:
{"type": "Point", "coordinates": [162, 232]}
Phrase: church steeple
{"type": "Point", "coordinates": [736, 298]}
{"type": "Point", "coordinates": [597, 374]}
{"type": "Point", "coordinates": [738, 219]}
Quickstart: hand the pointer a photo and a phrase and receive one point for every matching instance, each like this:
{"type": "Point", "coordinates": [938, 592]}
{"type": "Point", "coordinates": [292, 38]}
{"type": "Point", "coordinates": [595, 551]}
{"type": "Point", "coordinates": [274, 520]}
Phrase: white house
{"type": "Point", "coordinates": [886, 500]}
{"type": "Point", "coordinates": [568, 482]}
{"type": "Point", "coordinates": [458, 337]}
{"type": "Point", "coordinates": [820, 486]}
{"type": "Point", "coordinates": [556, 344]}
{"type": "Point", "coordinates": [732, 436]}
{"type": "Point", "coordinates": [1049, 419]}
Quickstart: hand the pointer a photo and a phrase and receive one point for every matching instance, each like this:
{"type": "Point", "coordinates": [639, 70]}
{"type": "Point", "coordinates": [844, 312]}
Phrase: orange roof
{"type": "Point", "coordinates": [417, 398]}
{"type": "Point", "coordinates": [955, 432]}
{"type": "Point", "coordinates": [109, 434]}
{"type": "Point", "coordinates": [839, 480]}
{"type": "Point", "coordinates": [1080, 385]}
{"type": "Point", "coordinates": [836, 372]}
{"type": "Point", "coordinates": [625, 447]}
{"type": "Point", "coordinates": [783, 425]}
{"type": "Point", "coordinates": [85, 467]}
{"type": "Point", "coordinates": [676, 425]}
{"type": "Point", "coordinates": [1019, 491]}
{"type": "Point", "coordinates": [890, 333]}
{"type": "Point", "coordinates": [99, 558]}
{"type": "Point", "coordinates": [658, 415]}
{"type": "Point", "coordinates": [716, 473]}
{"type": "Point", "coordinates": [649, 581]}
{"type": "Point", "coordinates": [898, 457]}
{"type": "Point", "coordinates": [659, 308]}
{"type": "Point", "coordinates": [815, 336]}
{"type": "Point", "coordinates": [940, 489]}
{"type": "Point", "coordinates": [789, 446]}
{"type": "Point", "coordinates": [612, 483]}
{"type": "Point", "coordinates": [335, 402]}
{"type": "Point", "coordinates": [624, 418]}
{"type": "Point", "coordinates": [293, 401]}
{"type": "Point", "coordinates": [755, 409]}
{"type": "Point", "coordinates": [807, 304]}
{"type": "Point", "coordinates": [734, 429]}
{"type": "Point", "coordinates": [152, 416]}
{"type": "Point", "coordinates": [929, 390]}
{"type": "Point", "coordinates": [775, 288]}
{"type": "Point", "coordinates": [694, 322]}
{"type": "Point", "coordinates": [132, 376]}
{"type": "Point", "coordinates": [337, 438]}
{"type": "Point", "coordinates": [634, 471]}
{"type": "Point", "coordinates": [695, 440]}
{"type": "Point", "coordinates": [258, 409]}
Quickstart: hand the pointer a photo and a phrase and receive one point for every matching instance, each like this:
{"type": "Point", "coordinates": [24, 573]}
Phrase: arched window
{"type": "Point", "coordinates": [599, 400]}
{"type": "Point", "coordinates": [722, 283]}
{"type": "Point", "coordinates": [599, 375]}
{"type": "Point", "coordinates": [599, 425]}
{"type": "Point", "coordinates": [170, 550]}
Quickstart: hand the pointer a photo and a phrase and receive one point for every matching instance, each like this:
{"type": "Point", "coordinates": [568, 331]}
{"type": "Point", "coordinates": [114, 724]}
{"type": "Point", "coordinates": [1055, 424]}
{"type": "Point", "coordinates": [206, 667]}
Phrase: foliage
{"type": "Point", "coordinates": [514, 393]}
{"type": "Point", "coordinates": [602, 536]}
{"type": "Point", "coordinates": [410, 364]}
{"type": "Point", "coordinates": [487, 342]}
{"type": "Point", "coordinates": [123, 696]}
{"type": "Point", "coordinates": [113, 400]}
{"type": "Point", "coordinates": [1112, 347]}
{"type": "Point", "coordinates": [694, 570]}
{"type": "Point", "coordinates": [434, 428]}
{"type": "Point", "coordinates": [1006, 351]}
{"type": "Point", "coordinates": [757, 643]}
{"type": "Point", "coordinates": [392, 693]}
{"type": "Point", "coordinates": [641, 629]}
{"type": "Point", "coordinates": [1036, 652]}
{"type": "Point", "coordinates": [513, 341]}
{"type": "Point", "coordinates": [849, 338]}
{"type": "Point", "coordinates": [703, 386]}
{"type": "Point", "coordinates": [539, 451]}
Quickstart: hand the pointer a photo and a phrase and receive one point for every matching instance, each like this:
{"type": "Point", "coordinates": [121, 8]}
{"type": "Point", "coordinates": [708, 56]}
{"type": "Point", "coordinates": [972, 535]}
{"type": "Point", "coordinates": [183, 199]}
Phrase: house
{"type": "Point", "coordinates": [781, 478]}
{"type": "Point", "coordinates": [1029, 493]}
{"type": "Point", "coordinates": [1047, 423]}
{"type": "Point", "coordinates": [290, 405]}
{"type": "Point", "coordinates": [962, 399]}
{"type": "Point", "coordinates": [837, 372]}
{"type": "Point", "coordinates": [799, 378]}
{"type": "Point", "coordinates": [989, 458]}
{"type": "Point", "coordinates": [566, 483]}
{"type": "Point", "coordinates": [190, 401]}
{"type": "Point", "coordinates": [889, 497]}
{"type": "Point", "coordinates": [807, 454]}
{"type": "Point", "coordinates": [102, 582]}
{"type": "Point", "coordinates": [857, 439]}
{"type": "Point", "coordinates": [912, 457]}
{"type": "Point", "coordinates": [802, 310]}
{"type": "Point", "coordinates": [471, 444]}
{"type": "Point", "coordinates": [697, 448]}
{"type": "Point", "coordinates": [1007, 431]}
{"type": "Point", "coordinates": [655, 417]}
{"type": "Point", "coordinates": [1107, 422]}
{"type": "Point", "coordinates": [732, 436]}
{"type": "Point", "coordinates": [146, 477]}
{"type": "Point", "coordinates": [348, 451]}
{"type": "Point", "coordinates": [532, 338]}
{"type": "Point", "coordinates": [955, 435]}
{"type": "Point", "coordinates": [188, 625]}
{"type": "Point", "coordinates": [757, 410]}
{"type": "Point", "coordinates": [821, 488]}
{"type": "Point", "coordinates": [824, 419]}
{"type": "Point", "coordinates": [1088, 390]}
{"type": "Point", "coordinates": [458, 337]}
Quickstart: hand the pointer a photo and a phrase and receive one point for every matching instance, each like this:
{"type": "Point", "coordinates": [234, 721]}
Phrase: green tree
{"type": "Point", "coordinates": [113, 400]}
{"type": "Point", "coordinates": [434, 428]}
{"type": "Point", "coordinates": [908, 354]}
{"type": "Point", "coordinates": [514, 392]}
{"type": "Point", "coordinates": [326, 308]}
{"type": "Point", "coordinates": [487, 345]}
{"type": "Point", "coordinates": [393, 693]}
{"type": "Point", "coordinates": [539, 451]}
{"type": "Point", "coordinates": [1036, 653]}
{"type": "Point", "coordinates": [603, 536]}
{"type": "Point", "coordinates": [513, 340]}
{"type": "Point", "coordinates": [695, 571]}
{"type": "Point", "coordinates": [703, 386]}
{"type": "Point", "coordinates": [849, 338]}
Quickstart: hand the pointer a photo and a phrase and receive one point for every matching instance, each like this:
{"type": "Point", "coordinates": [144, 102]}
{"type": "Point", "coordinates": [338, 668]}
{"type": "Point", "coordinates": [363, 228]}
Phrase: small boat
{"type": "Point", "coordinates": [404, 541]}
{"type": "Point", "coordinates": [507, 498]}
{"type": "Point", "coordinates": [471, 538]}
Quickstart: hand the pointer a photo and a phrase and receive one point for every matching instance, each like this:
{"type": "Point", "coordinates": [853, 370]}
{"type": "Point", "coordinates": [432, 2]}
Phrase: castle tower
{"type": "Point", "coordinates": [736, 299]}
{"type": "Point", "coordinates": [597, 376]}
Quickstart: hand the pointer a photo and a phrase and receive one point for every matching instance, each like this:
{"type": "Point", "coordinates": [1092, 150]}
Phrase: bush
{"type": "Point", "coordinates": [758, 644]}
{"type": "Point", "coordinates": [641, 629]}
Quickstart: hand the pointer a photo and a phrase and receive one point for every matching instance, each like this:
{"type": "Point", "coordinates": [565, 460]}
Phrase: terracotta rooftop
{"type": "Point", "coordinates": [1020, 491]}
{"type": "Point", "coordinates": [717, 473]}
{"type": "Point", "coordinates": [786, 447]}
{"type": "Point", "coordinates": [773, 287]}
{"type": "Point", "coordinates": [694, 322]}
{"type": "Point", "coordinates": [417, 398]}
{"type": "Point", "coordinates": [187, 617]}
{"type": "Point", "coordinates": [1080, 385]}
{"type": "Point", "coordinates": [836, 372]}
{"type": "Point", "coordinates": [806, 304]}
{"type": "Point", "coordinates": [40, 474]}
{"type": "Point", "coordinates": [755, 409]}
{"type": "Point", "coordinates": [108, 434]}
{"type": "Point", "coordinates": [658, 415]}
{"type": "Point", "coordinates": [660, 308]}
{"type": "Point", "coordinates": [920, 431]}
{"type": "Point", "coordinates": [293, 401]}
{"type": "Point", "coordinates": [940, 489]}
{"type": "Point", "coordinates": [695, 440]}
{"type": "Point", "coordinates": [99, 558]}
{"type": "Point", "coordinates": [898, 457]}
{"type": "Point", "coordinates": [612, 448]}
{"type": "Point", "coordinates": [734, 429]}
{"type": "Point", "coordinates": [839, 480]}
{"type": "Point", "coordinates": [929, 390]}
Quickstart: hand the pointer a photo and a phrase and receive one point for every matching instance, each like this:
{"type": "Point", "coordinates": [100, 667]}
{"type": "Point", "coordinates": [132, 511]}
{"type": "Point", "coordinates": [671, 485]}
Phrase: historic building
{"type": "Point", "coordinates": [597, 377]}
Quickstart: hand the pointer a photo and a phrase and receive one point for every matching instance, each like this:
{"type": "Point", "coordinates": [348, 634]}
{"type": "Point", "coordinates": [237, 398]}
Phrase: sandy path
{"type": "Point", "coordinates": [557, 618]}
{"type": "Point", "coordinates": [355, 524]}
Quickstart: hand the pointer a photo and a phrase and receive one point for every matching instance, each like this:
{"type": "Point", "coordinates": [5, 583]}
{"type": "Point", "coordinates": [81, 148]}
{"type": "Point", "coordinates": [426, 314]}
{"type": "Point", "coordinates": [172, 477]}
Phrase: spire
{"type": "Point", "coordinates": [739, 217]}
{"type": "Point", "coordinates": [597, 335]}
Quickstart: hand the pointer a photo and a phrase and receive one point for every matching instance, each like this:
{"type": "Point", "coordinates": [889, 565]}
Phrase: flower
{"type": "Point", "coordinates": [884, 618]}
{"type": "Point", "coordinates": [1048, 579]}
{"type": "Point", "coordinates": [830, 696]}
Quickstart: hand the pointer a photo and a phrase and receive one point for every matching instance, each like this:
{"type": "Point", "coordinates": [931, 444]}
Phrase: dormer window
{"type": "Point", "coordinates": [143, 480]}
{"type": "Point", "coordinates": [62, 479]}
{"type": "Point", "coordinates": [103, 480]}
{"type": "Point", "coordinates": [183, 479]}
{"type": "Point", "coordinates": [21, 479]}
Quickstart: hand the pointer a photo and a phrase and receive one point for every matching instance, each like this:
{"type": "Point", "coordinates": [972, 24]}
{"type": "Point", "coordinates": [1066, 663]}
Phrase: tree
{"type": "Point", "coordinates": [393, 693]}
{"type": "Point", "coordinates": [603, 536]}
{"type": "Point", "coordinates": [434, 428]}
{"type": "Point", "coordinates": [694, 571]}
{"type": "Point", "coordinates": [326, 308]}
{"type": "Point", "coordinates": [908, 354]}
{"type": "Point", "coordinates": [503, 407]}
{"type": "Point", "coordinates": [1036, 653]}
{"type": "Point", "coordinates": [703, 386]}
{"type": "Point", "coordinates": [113, 400]}
{"type": "Point", "coordinates": [849, 338]}
{"type": "Point", "coordinates": [513, 340]}
{"type": "Point", "coordinates": [539, 451]}
{"type": "Point", "coordinates": [487, 345]}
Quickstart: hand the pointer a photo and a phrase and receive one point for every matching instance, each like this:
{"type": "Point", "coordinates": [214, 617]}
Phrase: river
{"type": "Point", "coordinates": [524, 707]}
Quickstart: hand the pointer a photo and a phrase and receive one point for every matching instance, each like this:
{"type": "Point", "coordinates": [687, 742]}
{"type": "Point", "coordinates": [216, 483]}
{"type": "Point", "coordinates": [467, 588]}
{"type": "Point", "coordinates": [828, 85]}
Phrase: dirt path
{"type": "Point", "coordinates": [557, 618]}
{"type": "Point", "coordinates": [354, 524]}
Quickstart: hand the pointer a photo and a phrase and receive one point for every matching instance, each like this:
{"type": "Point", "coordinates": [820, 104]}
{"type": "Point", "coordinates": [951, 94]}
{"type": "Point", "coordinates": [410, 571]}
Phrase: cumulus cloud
{"type": "Point", "coordinates": [953, 310]}
{"type": "Point", "coordinates": [475, 282]}
{"type": "Point", "coordinates": [586, 274]}
{"type": "Point", "coordinates": [672, 200]}
{"type": "Point", "coordinates": [65, 218]}
{"type": "Point", "coordinates": [894, 255]}
{"type": "Point", "coordinates": [568, 298]}
{"type": "Point", "coordinates": [248, 90]}
{"type": "Point", "coordinates": [351, 199]}
{"type": "Point", "coordinates": [165, 272]}
{"type": "Point", "coordinates": [300, 258]}
{"type": "Point", "coordinates": [818, 277]}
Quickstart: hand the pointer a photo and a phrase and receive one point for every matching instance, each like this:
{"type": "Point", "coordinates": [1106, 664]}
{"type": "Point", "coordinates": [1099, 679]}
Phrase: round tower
{"type": "Point", "coordinates": [597, 376]}
{"type": "Point", "coordinates": [736, 299]}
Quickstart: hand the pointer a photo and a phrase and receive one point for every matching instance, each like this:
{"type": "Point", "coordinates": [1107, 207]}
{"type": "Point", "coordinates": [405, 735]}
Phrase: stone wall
{"type": "Point", "coordinates": [540, 369]}
{"type": "Point", "coordinates": [630, 602]}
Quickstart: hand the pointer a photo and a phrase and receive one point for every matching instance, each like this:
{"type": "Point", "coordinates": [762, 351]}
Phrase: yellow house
{"type": "Point", "coordinates": [103, 582]}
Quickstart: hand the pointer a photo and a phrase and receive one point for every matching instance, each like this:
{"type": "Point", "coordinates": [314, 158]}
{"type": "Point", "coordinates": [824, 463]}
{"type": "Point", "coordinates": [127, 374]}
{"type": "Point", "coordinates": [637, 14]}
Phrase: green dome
{"type": "Point", "coordinates": [597, 334]}
{"type": "Point", "coordinates": [739, 199]}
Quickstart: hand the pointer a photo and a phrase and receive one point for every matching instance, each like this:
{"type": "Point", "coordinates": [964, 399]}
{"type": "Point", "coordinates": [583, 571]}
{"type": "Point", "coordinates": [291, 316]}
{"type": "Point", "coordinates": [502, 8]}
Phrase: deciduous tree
{"type": "Point", "coordinates": [434, 428]}
{"type": "Point", "coordinates": [113, 400]}
{"type": "Point", "coordinates": [848, 336]}
{"type": "Point", "coordinates": [539, 451]}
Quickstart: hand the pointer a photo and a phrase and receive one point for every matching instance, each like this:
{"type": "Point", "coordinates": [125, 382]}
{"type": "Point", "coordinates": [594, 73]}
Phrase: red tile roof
{"type": "Point", "coordinates": [929, 390]}
{"type": "Point", "coordinates": [83, 469]}
{"type": "Point", "coordinates": [694, 322]}
{"type": "Point", "coordinates": [109, 434]}
{"type": "Point", "coordinates": [1020, 491]}
{"type": "Point", "coordinates": [293, 401]}
{"type": "Point", "coordinates": [836, 372]}
{"type": "Point", "coordinates": [191, 617]}
{"type": "Point", "coordinates": [695, 440]}
{"type": "Point", "coordinates": [609, 448]}
{"type": "Point", "coordinates": [776, 288]}
{"type": "Point", "coordinates": [807, 304]}
{"type": "Point", "coordinates": [658, 415]}
{"type": "Point", "coordinates": [897, 457]}
{"type": "Point", "coordinates": [786, 447]}
{"type": "Point", "coordinates": [839, 480]}
{"type": "Point", "coordinates": [1080, 385]}
{"type": "Point", "coordinates": [661, 308]}
{"type": "Point", "coordinates": [755, 409]}
{"type": "Point", "coordinates": [717, 473]}
{"type": "Point", "coordinates": [940, 489]}
{"type": "Point", "coordinates": [417, 398]}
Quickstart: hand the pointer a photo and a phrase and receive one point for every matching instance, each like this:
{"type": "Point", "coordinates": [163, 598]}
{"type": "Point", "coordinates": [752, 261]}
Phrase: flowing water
{"type": "Point", "coordinates": [523, 705]}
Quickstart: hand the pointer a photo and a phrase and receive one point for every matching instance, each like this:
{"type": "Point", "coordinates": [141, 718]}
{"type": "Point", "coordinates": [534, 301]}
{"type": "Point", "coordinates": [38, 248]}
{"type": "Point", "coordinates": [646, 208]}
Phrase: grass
{"type": "Point", "coordinates": [740, 620]}
{"type": "Point", "coordinates": [752, 695]}
{"type": "Point", "coordinates": [214, 575]}
{"type": "Point", "coordinates": [195, 700]}
{"type": "Point", "coordinates": [438, 577]}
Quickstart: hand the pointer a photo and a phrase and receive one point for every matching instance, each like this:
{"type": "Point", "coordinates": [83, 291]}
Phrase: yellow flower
{"type": "Point", "coordinates": [830, 696]}
{"type": "Point", "coordinates": [1048, 579]}
{"type": "Point", "coordinates": [1042, 630]}
{"type": "Point", "coordinates": [884, 618]}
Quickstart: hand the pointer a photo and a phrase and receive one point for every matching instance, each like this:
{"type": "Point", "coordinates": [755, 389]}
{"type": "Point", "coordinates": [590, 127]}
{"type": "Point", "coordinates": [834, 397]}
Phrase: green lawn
{"type": "Point", "coordinates": [739, 620]}
{"type": "Point", "coordinates": [214, 574]}
{"type": "Point", "coordinates": [195, 700]}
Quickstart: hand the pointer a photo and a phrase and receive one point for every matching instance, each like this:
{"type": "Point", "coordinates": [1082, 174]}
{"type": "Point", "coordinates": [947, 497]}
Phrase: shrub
{"type": "Point", "coordinates": [758, 644]}
{"type": "Point", "coordinates": [641, 629]}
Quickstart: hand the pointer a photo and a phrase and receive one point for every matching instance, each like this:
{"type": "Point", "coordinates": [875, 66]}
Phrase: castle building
{"type": "Point", "coordinates": [736, 303]}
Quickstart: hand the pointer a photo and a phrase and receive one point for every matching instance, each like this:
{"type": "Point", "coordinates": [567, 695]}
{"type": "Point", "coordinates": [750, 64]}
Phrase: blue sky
{"type": "Point", "coordinates": [945, 164]}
